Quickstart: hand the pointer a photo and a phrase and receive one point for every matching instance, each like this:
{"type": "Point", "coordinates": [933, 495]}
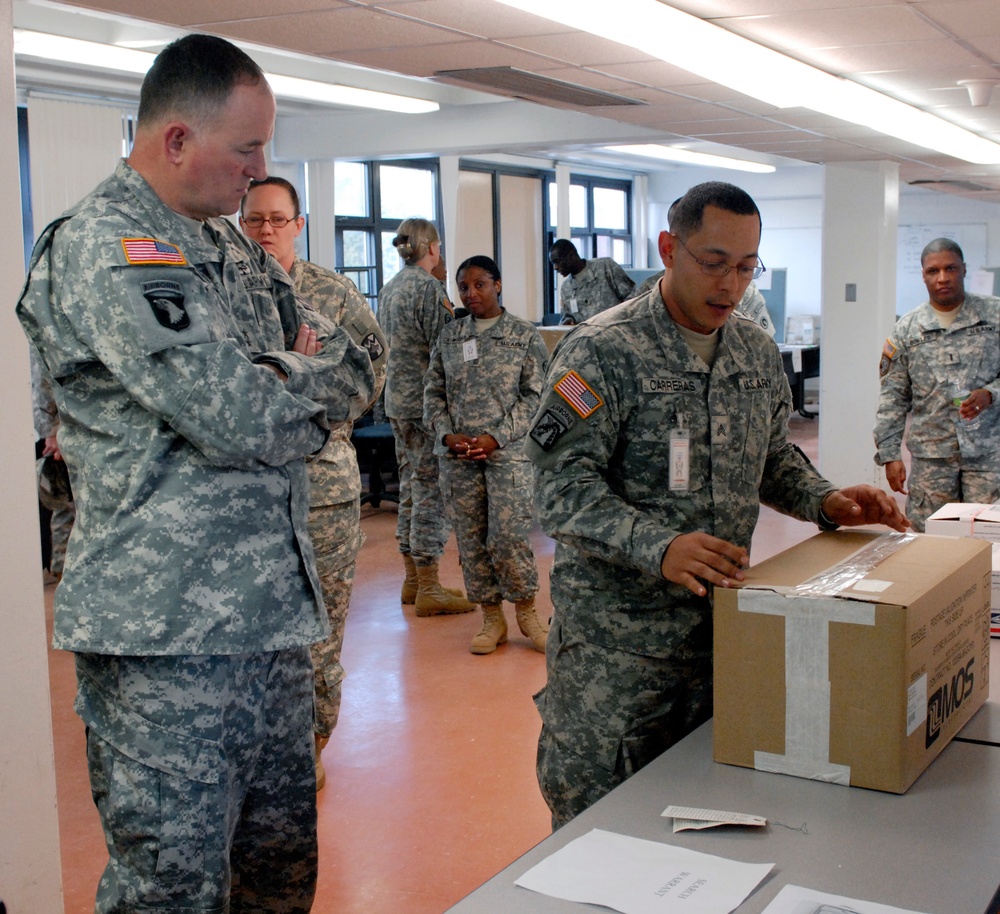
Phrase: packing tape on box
{"type": "Point", "coordinates": [807, 654]}
{"type": "Point", "coordinates": [807, 679]}
{"type": "Point", "coordinates": [847, 573]}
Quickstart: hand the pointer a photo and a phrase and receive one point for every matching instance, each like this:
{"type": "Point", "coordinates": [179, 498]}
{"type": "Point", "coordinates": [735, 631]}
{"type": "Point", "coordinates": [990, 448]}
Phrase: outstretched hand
{"type": "Point", "coordinates": [858, 505]}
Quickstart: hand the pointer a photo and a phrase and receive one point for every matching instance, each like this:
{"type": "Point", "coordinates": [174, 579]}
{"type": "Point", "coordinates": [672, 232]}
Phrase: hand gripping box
{"type": "Point", "coordinates": [853, 657]}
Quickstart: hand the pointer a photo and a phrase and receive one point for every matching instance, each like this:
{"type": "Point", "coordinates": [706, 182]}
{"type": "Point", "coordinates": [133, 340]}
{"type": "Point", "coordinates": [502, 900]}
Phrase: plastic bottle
{"type": "Point", "coordinates": [958, 398]}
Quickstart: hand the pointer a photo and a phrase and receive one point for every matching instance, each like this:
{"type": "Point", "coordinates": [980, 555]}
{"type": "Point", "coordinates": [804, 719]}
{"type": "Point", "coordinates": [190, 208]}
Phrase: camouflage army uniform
{"type": "Point", "coordinates": [190, 592]}
{"type": "Point", "coordinates": [412, 309]}
{"type": "Point", "coordinates": [335, 486]}
{"type": "Point", "coordinates": [924, 364]}
{"type": "Point", "coordinates": [601, 284]}
{"type": "Point", "coordinates": [752, 306]}
{"type": "Point", "coordinates": [46, 418]}
{"type": "Point", "coordinates": [497, 394]}
{"type": "Point", "coordinates": [629, 654]}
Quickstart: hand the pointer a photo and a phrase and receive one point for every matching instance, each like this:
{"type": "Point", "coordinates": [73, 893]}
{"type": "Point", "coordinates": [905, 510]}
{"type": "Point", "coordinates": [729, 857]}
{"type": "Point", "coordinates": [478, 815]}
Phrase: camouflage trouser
{"type": "Point", "coordinates": [202, 769]}
{"type": "Point", "coordinates": [336, 536]}
{"type": "Point", "coordinates": [61, 526]}
{"type": "Point", "coordinates": [934, 482]}
{"type": "Point", "coordinates": [606, 714]}
{"type": "Point", "coordinates": [422, 528]}
{"type": "Point", "coordinates": [491, 508]}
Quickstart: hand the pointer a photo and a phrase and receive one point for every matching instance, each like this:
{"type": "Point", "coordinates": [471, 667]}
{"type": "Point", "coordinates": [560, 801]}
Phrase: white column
{"type": "Point", "coordinates": [448, 223]}
{"type": "Point", "coordinates": [322, 210]}
{"type": "Point", "coordinates": [640, 221]}
{"type": "Point", "coordinates": [860, 227]}
{"type": "Point", "coordinates": [30, 869]}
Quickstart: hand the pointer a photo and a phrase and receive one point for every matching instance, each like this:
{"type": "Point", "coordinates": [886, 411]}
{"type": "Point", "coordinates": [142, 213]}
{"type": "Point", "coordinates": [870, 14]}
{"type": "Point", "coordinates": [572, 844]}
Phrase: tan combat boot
{"type": "Point", "coordinates": [494, 630]}
{"type": "Point", "coordinates": [321, 742]}
{"type": "Point", "coordinates": [409, 594]}
{"type": "Point", "coordinates": [435, 600]}
{"type": "Point", "coordinates": [529, 623]}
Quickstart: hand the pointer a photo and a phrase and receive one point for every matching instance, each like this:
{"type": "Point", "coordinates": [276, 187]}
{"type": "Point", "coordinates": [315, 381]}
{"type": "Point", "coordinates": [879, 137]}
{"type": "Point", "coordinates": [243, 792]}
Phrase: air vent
{"type": "Point", "coordinates": [522, 84]}
{"type": "Point", "coordinates": [967, 186]}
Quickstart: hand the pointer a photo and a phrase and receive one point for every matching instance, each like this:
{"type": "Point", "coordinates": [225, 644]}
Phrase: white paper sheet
{"type": "Point", "coordinates": [793, 899]}
{"type": "Point", "coordinates": [643, 877]}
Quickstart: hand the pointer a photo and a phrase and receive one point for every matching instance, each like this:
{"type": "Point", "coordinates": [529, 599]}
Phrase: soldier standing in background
{"type": "Point", "coordinates": [271, 215]}
{"type": "Point", "coordinates": [589, 286]}
{"type": "Point", "coordinates": [942, 364]}
{"type": "Point", "coordinates": [481, 392]}
{"type": "Point", "coordinates": [663, 427]}
{"type": "Point", "coordinates": [191, 386]}
{"type": "Point", "coordinates": [413, 307]}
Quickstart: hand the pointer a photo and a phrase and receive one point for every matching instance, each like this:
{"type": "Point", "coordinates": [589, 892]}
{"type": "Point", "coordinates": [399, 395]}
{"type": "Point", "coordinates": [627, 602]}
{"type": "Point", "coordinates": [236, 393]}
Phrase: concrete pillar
{"type": "Point", "coordinates": [30, 867]}
{"type": "Point", "coordinates": [860, 222]}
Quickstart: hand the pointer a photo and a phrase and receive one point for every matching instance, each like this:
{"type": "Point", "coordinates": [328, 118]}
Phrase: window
{"type": "Point", "coordinates": [394, 191]}
{"type": "Point", "coordinates": [600, 214]}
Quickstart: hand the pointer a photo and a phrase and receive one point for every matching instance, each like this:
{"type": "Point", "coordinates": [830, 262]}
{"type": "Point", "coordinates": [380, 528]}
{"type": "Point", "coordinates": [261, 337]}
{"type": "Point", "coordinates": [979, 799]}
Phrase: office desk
{"type": "Point", "coordinates": [809, 356]}
{"type": "Point", "coordinates": [934, 849]}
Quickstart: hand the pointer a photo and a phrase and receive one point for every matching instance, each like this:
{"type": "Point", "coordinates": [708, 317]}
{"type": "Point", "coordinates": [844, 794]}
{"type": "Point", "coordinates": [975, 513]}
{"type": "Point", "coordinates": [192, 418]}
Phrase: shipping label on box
{"type": "Point", "coordinates": [854, 657]}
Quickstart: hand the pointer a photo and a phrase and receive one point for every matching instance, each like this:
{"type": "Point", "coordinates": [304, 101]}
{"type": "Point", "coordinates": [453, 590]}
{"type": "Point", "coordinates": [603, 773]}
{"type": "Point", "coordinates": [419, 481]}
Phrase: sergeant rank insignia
{"type": "Point", "coordinates": [578, 394]}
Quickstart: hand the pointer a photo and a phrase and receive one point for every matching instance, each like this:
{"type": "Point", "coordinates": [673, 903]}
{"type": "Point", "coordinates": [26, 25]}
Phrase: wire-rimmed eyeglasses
{"type": "Point", "coordinates": [719, 268]}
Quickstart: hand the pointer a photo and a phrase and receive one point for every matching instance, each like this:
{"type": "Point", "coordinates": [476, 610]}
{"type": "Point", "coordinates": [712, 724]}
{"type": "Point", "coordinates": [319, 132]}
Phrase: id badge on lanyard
{"type": "Point", "coordinates": [680, 457]}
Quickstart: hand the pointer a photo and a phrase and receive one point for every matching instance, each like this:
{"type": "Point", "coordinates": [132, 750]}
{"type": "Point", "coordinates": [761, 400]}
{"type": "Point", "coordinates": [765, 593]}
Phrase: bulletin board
{"type": "Point", "coordinates": [970, 236]}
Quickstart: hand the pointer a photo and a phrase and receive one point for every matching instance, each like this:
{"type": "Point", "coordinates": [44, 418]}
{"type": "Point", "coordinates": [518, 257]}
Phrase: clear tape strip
{"type": "Point", "coordinates": [841, 577]}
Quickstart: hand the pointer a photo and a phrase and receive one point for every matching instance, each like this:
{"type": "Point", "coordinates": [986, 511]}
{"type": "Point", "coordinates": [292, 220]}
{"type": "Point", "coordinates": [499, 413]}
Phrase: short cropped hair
{"type": "Point", "coordinates": [274, 181]}
{"type": "Point", "coordinates": [941, 246]}
{"type": "Point", "coordinates": [414, 238]}
{"type": "Point", "coordinates": [691, 207]}
{"type": "Point", "coordinates": [563, 246]}
{"type": "Point", "coordinates": [488, 264]}
{"type": "Point", "coordinates": [193, 77]}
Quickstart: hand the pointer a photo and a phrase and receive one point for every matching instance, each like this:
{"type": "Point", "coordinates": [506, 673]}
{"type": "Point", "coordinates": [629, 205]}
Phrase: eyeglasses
{"type": "Point", "coordinates": [719, 268]}
{"type": "Point", "coordinates": [255, 221]}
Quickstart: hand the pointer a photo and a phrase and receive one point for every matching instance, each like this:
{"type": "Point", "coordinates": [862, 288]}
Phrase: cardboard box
{"type": "Point", "coordinates": [854, 657]}
{"type": "Point", "coordinates": [982, 522]}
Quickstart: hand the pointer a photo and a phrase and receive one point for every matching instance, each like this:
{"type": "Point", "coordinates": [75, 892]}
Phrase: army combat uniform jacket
{"type": "Point", "coordinates": [617, 388]}
{"type": "Point", "coordinates": [153, 327]}
{"type": "Point", "coordinates": [412, 309]}
{"type": "Point", "coordinates": [495, 392]}
{"type": "Point", "coordinates": [334, 476]}
{"type": "Point", "coordinates": [924, 365]}
{"type": "Point", "coordinates": [600, 285]}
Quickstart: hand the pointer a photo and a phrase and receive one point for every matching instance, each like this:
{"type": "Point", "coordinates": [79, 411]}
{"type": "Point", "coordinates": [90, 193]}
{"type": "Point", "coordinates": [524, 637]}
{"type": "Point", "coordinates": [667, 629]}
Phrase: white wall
{"type": "Point", "coordinates": [30, 871]}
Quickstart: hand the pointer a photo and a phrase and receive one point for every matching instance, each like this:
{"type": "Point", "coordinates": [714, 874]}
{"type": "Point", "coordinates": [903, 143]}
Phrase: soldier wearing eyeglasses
{"type": "Point", "coordinates": [661, 431]}
{"type": "Point", "coordinates": [941, 367]}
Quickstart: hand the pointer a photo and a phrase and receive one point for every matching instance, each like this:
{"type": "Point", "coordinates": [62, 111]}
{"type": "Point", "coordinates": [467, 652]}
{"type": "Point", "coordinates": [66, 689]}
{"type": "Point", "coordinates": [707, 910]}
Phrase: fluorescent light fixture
{"type": "Point", "coordinates": [687, 157]}
{"type": "Point", "coordinates": [722, 57]}
{"type": "Point", "coordinates": [110, 57]}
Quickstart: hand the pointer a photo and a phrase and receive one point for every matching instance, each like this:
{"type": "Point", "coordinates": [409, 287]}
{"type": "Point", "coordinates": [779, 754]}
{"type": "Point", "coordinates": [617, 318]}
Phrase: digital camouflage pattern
{"type": "Point", "coordinates": [495, 393]}
{"type": "Point", "coordinates": [617, 387]}
{"type": "Point", "coordinates": [412, 310]}
{"type": "Point", "coordinates": [185, 456]}
{"type": "Point", "coordinates": [191, 557]}
{"type": "Point", "coordinates": [601, 284]}
{"type": "Point", "coordinates": [182, 734]}
{"type": "Point", "coordinates": [335, 485]}
{"type": "Point", "coordinates": [57, 498]}
{"type": "Point", "coordinates": [924, 366]}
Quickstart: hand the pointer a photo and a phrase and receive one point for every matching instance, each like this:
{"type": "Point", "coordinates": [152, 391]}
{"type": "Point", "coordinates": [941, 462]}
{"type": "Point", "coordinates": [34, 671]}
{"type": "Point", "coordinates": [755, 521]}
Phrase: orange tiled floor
{"type": "Point", "coordinates": [431, 786]}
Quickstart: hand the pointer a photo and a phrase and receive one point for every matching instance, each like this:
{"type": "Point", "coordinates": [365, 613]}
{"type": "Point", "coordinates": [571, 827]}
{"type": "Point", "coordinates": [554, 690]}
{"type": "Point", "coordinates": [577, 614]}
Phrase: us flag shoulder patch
{"type": "Point", "coordinates": [578, 394]}
{"type": "Point", "coordinates": [149, 250]}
